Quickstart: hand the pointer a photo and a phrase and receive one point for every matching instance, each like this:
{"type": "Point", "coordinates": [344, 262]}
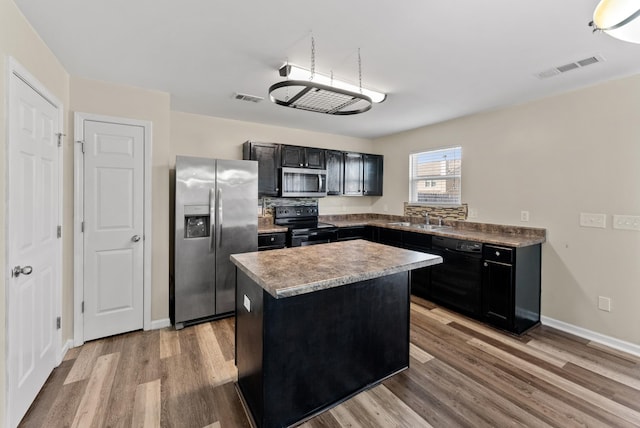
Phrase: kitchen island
{"type": "Point", "coordinates": [316, 325]}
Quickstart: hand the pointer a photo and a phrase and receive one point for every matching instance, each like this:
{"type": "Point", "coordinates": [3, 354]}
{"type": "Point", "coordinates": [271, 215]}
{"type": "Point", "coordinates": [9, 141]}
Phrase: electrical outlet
{"type": "Point", "coordinates": [593, 220]}
{"type": "Point", "coordinates": [604, 303]}
{"type": "Point", "coordinates": [524, 215]}
{"type": "Point", "coordinates": [627, 222]}
{"type": "Point", "coordinates": [385, 208]}
{"type": "Point", "coordinates": [473, 213]}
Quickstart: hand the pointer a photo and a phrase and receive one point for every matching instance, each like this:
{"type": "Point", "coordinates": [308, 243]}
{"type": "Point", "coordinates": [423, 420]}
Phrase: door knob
{"type": "Point", "coordinates": [25, 270]}
{"type": "Point", "coordinates": [135, 238]}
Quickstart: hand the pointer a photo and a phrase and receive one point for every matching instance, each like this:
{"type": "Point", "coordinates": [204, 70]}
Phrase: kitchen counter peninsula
{"type": "Point", "coordinates": [316, 325]}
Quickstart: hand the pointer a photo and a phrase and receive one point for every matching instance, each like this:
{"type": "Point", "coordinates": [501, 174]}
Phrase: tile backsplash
{"type": "Point", "coordinates": [267, 204]}
{"type": "Point", "coordinates": [457, 212]}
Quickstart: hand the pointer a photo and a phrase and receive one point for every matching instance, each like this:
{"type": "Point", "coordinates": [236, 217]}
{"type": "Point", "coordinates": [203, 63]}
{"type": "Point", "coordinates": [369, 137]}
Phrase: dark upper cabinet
{"type": "Point", "coordinates": [363, 174]}
{"type": "Point", "coordinates": [353, 173]}
{"type": "Point", "coordinates": [372, 180]}
{"type": "Point", "coordinates": [335, 172]}
{"type": "Point", "coordinates": [303, 157]}
{"type": "Point", "coordinates": [268, 157]}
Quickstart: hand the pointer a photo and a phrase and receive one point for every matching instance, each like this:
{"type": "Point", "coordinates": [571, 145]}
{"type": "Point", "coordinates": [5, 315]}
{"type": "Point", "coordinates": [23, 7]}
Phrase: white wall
{"type": "Point", "coordinates": [556, 157]}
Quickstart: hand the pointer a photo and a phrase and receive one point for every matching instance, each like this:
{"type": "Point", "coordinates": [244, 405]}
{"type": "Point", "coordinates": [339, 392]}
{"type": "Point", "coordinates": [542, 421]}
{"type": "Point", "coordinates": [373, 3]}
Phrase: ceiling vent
{"type": "Point", "coordinates": [247, 97]}
{"type": "Point", "coordinates": [570, 66]}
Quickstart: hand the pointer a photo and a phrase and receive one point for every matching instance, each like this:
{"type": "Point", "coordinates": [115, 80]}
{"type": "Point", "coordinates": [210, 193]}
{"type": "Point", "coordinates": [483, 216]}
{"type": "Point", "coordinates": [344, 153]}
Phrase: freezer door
{"type": "Point", "coordinates": [194, 294]}
{"type": "Point", "coordinates": [237, 223]}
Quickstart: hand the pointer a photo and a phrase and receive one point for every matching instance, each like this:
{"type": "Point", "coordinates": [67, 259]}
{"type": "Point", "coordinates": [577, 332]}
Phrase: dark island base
{"type": "Point", "coordinates": [301, 355]}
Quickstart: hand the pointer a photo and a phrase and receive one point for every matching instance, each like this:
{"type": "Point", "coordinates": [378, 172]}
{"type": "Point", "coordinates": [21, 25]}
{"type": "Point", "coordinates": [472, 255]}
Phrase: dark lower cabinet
{"type": "Point", "coordinates": [272, 241]}
{"type": "Point", "coordinates": [509, 296]}
{"type": "Point", "coordinates": [354, 232]}
{"type": "Point", "coordinates": [511, 287]}
{"type": "Point", "coordinates": [300, 355]}
{"type": "Point", "coordinates": [390, 237]}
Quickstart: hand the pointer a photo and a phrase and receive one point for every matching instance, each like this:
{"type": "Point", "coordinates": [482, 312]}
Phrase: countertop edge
{"type": "Point", "coordinates": [338, 282]}
{"type": "Point", "coordinates": [252, 264]}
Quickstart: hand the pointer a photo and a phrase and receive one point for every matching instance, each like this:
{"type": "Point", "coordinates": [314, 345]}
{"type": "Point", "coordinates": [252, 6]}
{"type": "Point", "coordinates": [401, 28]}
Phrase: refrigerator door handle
{"type": "Point", "coordinates": [212, 218]}
{"type": "Point", "coordinates": [219, 234]}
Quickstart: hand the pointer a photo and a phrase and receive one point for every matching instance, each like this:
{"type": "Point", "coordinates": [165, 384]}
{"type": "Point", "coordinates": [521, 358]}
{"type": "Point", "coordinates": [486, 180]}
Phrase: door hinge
{"type": "Point", "coordinates": [59, 231]}
{"type": "Point", "coordinates": [60, 135]}
{"type": "Point", "coordinates": [58, 323]}
{"type": "Point", "coordinates": [82, 307]}
{"type": "Point", "coordinates": [82, 227]}
{"type": "Point", "coordinates": [81, 145]}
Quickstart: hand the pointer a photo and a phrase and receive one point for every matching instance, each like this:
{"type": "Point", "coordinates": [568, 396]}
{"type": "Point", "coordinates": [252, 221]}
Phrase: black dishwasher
{"type": "Point", "coordinates": [456, 283]}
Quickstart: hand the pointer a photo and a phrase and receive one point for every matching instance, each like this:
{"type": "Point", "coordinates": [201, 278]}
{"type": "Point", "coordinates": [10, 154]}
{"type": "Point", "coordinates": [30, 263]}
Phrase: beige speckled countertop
{"type": "Point", "coordinates": [292, 271]}
{"type": "Point", "coordinates": [271, 229]}
{"type": "Point", "coordinates": [510, 236]}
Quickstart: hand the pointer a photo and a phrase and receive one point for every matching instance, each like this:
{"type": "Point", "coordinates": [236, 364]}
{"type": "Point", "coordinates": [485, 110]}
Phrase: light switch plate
{"type": "Point", "coordinates": [593, 220]}
{"type": "Point", "coordinates": [247, 303]}
{"type": "Point", "coordinates": [627, 222]}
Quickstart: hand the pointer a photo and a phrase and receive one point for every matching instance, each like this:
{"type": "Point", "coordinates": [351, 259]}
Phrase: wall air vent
{"type": "Point", "coordinates": [247, 97]}
{"type": "Point", "coordinates": [570, 66]}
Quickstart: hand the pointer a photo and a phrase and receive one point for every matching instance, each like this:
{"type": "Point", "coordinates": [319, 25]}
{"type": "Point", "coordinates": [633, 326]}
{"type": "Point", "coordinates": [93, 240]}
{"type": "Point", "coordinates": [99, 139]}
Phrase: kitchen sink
{"type": "Point", "coordinates": [418, 225]}
{"type": "Point", "coordinates": [429, 226]}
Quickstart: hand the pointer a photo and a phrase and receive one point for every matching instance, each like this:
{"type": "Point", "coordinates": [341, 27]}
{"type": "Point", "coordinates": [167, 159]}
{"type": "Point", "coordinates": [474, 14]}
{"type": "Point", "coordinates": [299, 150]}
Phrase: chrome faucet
{"type": "Point", "coordinates": [439, 221]}
{"type": "Point", "coordinates": [426, 218]}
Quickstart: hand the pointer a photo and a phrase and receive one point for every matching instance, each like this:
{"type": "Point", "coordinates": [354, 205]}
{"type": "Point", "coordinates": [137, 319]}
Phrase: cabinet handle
{"type": "Point", "coordinates": [273, 239]}
{"type": "Point", "coordinates": [486, 264]}
{"type": "Point", "coordinates": [497, 253]}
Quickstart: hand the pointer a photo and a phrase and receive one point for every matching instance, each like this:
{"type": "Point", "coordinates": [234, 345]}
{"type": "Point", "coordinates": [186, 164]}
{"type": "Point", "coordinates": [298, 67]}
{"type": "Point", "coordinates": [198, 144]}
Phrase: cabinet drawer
{"type": "Point", "coordinates": [498, 254]}
{"type": "Point", "coordinates": [416, 241]}
{"type": "Point", "coordinates": [272, 240]}
{"type": "Point", "coordinates": [352, 232]}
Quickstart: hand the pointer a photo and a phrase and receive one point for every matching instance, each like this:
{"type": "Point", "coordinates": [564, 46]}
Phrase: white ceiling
{"type": "Point", "coordinates": [437, 60]}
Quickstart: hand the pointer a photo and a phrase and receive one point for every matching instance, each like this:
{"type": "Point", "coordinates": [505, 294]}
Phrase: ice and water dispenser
{"type": "Point", "coordinates": [197, 220]}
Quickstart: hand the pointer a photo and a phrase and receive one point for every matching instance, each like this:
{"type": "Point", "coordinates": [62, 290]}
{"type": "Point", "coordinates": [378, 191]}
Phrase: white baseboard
{"type": "Point", "coordinates": [609, 341]}
{"type": "Point", "coordinates": [162, 323]}
{"type": "Point", "coordinates": [65, 348]}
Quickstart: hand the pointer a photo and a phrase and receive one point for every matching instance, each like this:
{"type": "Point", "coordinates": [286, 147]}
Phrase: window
{"type": "Point", "coordinates": [435, 176]}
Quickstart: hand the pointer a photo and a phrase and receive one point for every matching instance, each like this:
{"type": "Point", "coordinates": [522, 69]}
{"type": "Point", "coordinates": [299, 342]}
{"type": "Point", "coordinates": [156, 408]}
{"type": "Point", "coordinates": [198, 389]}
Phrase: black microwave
{"type": "Point", "coordinates": [303, 183]}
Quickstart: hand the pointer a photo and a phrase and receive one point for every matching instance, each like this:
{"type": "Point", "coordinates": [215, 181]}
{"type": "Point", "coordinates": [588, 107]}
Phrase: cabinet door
{"type": "Point", "coordinates": [497, 293]}
{"type": "Point", "coordinates": [335, 170]}
{"type": "Point", "coordinates": [353, 170]}
{"type": "Point", "coordinates": [293, 156]}
{"type": "Point", "coordinates": [372, 181]}
{"type": "Point", "coordinates": [268, 157]}
{"type": "Point", "coordinates": [315, 158]}
{"type": "Point", "coordinates": [390, 237]}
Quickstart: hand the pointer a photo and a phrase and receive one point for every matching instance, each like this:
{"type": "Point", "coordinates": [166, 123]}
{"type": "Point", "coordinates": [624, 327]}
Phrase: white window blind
{"type": "Point", "coordinates": [435, 176]}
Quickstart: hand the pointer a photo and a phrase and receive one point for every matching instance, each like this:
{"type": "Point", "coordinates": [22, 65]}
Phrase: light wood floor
{"type": "Point", "coordinates": [462, 374]}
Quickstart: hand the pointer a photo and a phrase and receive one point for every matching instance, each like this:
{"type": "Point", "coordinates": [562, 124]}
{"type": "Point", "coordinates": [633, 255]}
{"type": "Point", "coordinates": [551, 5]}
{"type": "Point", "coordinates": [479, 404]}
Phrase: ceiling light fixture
{"type": "Point", "coordinates": [311, 91]}
{"type": "Point", "coordinates": [618, 18]}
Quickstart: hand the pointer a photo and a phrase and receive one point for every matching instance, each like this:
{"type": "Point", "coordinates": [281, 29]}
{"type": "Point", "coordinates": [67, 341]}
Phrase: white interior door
{"type": "Point", "coordinates": [113, 228]}
{"type": "Point", "coordinates": [33, 247]}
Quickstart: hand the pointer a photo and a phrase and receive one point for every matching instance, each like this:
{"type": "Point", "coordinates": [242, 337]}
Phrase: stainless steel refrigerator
{"type": "Point", "coordinates": [215, 216]}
